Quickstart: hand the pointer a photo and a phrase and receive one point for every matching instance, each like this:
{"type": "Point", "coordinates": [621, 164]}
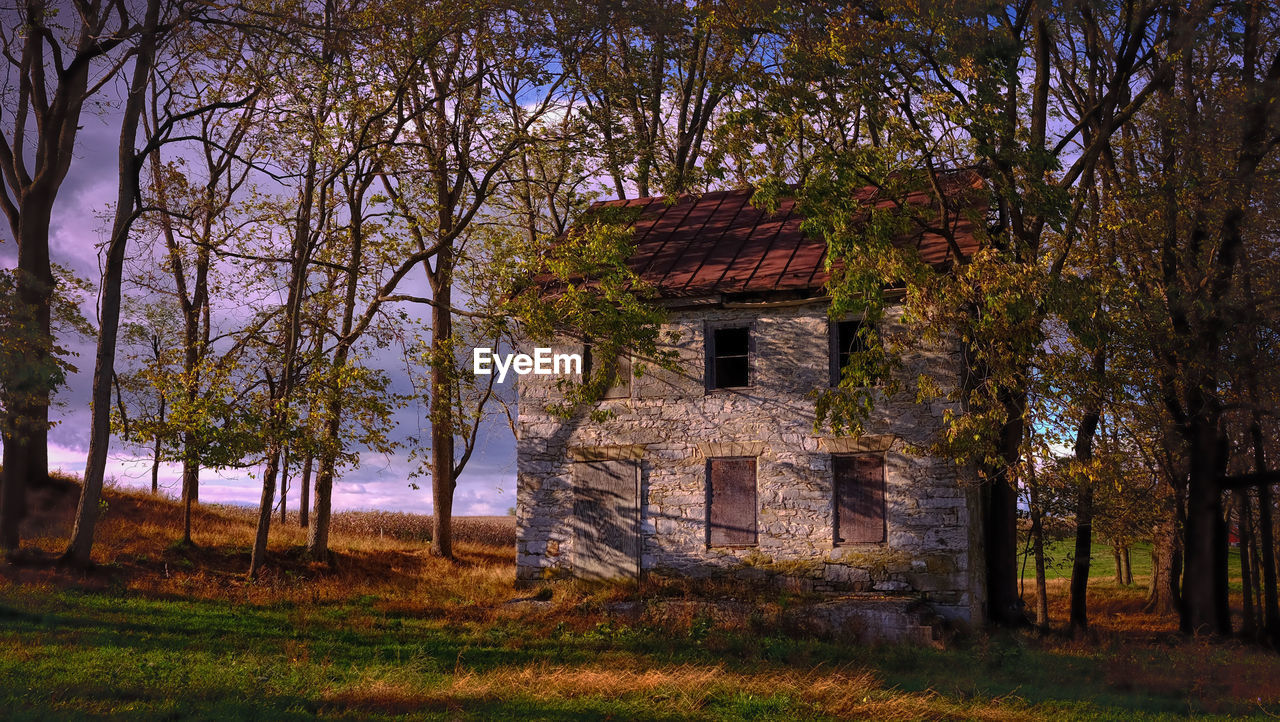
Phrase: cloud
{"type": "Point", "coordinates": [485, 489]}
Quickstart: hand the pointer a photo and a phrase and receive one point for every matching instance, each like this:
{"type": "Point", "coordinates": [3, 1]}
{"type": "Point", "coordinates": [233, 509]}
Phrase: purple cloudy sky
{"type": "Point", "coordinates": [487, 486]}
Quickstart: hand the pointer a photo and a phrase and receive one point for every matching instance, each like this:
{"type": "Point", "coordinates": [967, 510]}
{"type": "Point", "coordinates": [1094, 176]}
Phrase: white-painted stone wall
{"type": "Point", "coordinates": [933, 546]}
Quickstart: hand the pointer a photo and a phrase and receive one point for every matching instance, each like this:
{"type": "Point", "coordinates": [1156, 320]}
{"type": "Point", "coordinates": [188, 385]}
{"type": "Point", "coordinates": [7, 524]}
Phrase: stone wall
{"type": "Point", "coordinates": [673, 425]}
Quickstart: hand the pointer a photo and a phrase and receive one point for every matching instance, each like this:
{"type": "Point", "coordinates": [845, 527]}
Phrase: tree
{"type": "Point", "coordinates": [1192, 171]}
{"type": "Point", "coordinates": [127, 207]}
{"type": "Point", "coordinates": [16, 330]}
{"type": "Point", "coordinates": [973, 86]}
{"type": "Point", "coordinates": [206, 82]}
{"type": "Point", "coordinates": [141, 409]}
{"type": "Point", "coordinates": [652, 78]}
{"type": "Point", "coordinates": [61, 57]}
{"type": "Point", "coordinates": [458, 148]}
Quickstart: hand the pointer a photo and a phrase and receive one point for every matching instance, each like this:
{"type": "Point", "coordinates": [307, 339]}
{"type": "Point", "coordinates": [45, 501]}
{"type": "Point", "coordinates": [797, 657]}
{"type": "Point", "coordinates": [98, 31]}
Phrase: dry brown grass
{"type": "Point", "coordinates": [372, 552]}
{"type": "Point", "coordinates": [674, 687]}
{"type": "Point", "coordinates": [673, 691]}
{"type": "Point", "coordinates": [1113, 609]}
{"type": "Point", "coordinates": [400, 526]}
{"type": "Point", "coordinates": [1145, 652]}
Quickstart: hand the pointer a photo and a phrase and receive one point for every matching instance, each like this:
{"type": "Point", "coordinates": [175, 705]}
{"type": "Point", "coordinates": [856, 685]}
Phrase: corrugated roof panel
{"type": "Point", "coordinates": [720, 243]}
{"type": "Point", "coordinates": [756, 248]}
{"type": "Point", "coordinates": [717, 233]}
{"type": "Point", "coordinates": [805, 263]}
{"type": "Point", "coordinates": [712, 267]}
{"type": "Point", "coordinates": [675, 250]}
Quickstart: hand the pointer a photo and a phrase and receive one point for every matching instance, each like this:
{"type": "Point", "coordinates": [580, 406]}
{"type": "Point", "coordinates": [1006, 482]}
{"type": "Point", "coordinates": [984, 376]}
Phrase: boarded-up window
{"type": "Point", "coordinates": [606, 519]}
{"type": "Point", "coordinates": [731, 501]}
{"type": "Point", "coordinates": [728, 357]}
{"type": "Point", "coordinates": [847, 338]}
{"type": "Point", "coordinates": [859, 482]}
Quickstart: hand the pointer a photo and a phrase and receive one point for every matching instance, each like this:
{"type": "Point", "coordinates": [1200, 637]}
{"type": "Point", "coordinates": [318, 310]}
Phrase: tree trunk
{"type": "Point", "coordinates": [1037, 535]}
{"type": "Point", "coordinates": [1080, 564]}
{"type": "Point", "coordinates": [264, 514]}
{"type": "Point", "coordinates": [284, 486]}
{"type": "Point", "coordinates": [1037, 549]}
{"type": "Point", "coordinates": [1244, 520]}
{"type": "Point", "coordinates": [318, 533]}
{"type": "Point", "coordinates": [1115, 554]}
{"type": "Point", "coordinates": [1084, 515]}
{"type": "Point", "coordinates": [190, 444]}
{"type": "Point", "coordinates": [1162, 598]}
{"type": "Point", "coordinates": [190, 480]}
{"type": "Point", "coordinates": [1204, 589]}
{"type": "Point", "coordinates": [1004, 605]}
{"type": "Point", "coordinates": [1255, 574]}
{"type": "Point", "coordinates": [1266, 539]}
{"type": "Point", "coordinates": [12, 493]}
{"type": "Point", "coordinates": [1126, 566]}
{"type": "Point", "coordinates": [304, 493]}
{"type": "Point", "coordinates": [1180, 510]}
{"type": "Point", "coordinates": [155, 462]}
{"type": "Point", "coordinates": [25, 450]}
{"type": "Point", "coordinates": [441, 413]}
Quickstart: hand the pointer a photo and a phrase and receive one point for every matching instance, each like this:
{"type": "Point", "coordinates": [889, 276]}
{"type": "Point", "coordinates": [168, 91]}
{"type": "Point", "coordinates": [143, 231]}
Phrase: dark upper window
{"type": "Point", "coordinates": [728, 357]}
{"type": "Point", "coordinates": [847, 338]}
{"type": "Point", "coordinates": [731, 501]}
{"type": "Point", "coordinates": [859, 487]}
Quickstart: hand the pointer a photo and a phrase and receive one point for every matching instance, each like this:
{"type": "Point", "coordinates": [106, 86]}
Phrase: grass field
{"type": "Point", "coordinates": [1059, 555]}
{"type": "Point", "coordinates": [164, 632]}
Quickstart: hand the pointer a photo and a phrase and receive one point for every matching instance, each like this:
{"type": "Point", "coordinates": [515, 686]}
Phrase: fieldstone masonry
{"type": "Point", "coordinates": [670, 426]}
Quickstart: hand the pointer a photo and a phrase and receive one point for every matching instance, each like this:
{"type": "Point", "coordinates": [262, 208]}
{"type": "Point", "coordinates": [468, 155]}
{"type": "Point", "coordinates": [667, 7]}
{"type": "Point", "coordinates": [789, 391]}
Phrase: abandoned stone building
{"type": "Point", "coordinates": [717, 469]}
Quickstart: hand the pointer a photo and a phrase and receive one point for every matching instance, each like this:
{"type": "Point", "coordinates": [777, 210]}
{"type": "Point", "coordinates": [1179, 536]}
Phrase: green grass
{"type": "Point", "coordinates": [1060, 555]}
{"type": "Point", "coordinates": [74, 654]}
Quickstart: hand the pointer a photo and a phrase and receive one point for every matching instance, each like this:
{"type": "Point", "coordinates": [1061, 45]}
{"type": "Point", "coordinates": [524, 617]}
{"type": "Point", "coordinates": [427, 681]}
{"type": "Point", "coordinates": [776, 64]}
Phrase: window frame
{"type": "Point", "coordinates": [709, 353]}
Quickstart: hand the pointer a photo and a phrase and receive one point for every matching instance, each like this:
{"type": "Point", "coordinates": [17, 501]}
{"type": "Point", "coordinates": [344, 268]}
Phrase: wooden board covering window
{"type": "Point", "coordinates": [606, 519]}
{"type": "Point", "coordinates": [731, 501]}
{"type": "Point", "coordinates": [859, 486]}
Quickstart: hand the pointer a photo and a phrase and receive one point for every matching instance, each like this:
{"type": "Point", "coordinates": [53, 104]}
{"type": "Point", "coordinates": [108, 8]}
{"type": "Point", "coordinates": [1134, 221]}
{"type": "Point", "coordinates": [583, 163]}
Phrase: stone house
{"type": "Point", "coordinates": [717, 469]}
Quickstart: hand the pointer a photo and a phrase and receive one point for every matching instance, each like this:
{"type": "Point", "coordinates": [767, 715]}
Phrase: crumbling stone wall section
{"type": "Point", "coordinates": [673, 425]}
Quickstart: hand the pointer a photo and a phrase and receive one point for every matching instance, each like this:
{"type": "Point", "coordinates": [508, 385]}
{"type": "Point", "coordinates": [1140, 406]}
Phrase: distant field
{"type": "Point", "coordinates": [387, 631]}
{"type": "Point", "coordinates": [1060, 555]}
{"type": "Point", "coordinates": [495, 530]}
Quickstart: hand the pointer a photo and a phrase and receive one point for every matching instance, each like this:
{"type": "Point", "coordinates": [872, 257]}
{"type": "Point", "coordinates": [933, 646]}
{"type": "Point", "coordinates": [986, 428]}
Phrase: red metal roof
{"type": "Point", "coordinates": [719, 243]}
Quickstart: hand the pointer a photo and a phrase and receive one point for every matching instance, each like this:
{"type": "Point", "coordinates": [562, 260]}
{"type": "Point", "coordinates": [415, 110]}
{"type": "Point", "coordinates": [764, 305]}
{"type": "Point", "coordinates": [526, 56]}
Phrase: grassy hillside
{"type": "Point", "coordinates": [160, 631]}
